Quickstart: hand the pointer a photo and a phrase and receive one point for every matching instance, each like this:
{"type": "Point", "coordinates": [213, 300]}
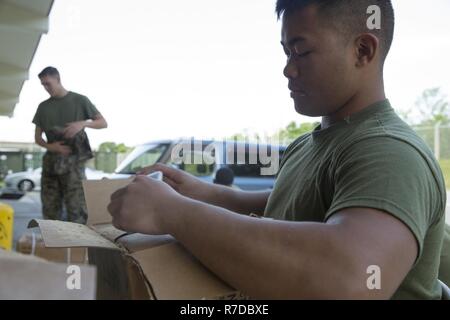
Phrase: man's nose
{"type": "Point", "coordinates": [291, 70]}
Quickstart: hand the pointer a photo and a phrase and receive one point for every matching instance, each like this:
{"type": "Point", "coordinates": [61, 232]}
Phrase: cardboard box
{"type": "Point", "coordinates": [30, 278]}
{"type": "Point", "coordinates": [97, 194]}
{"type": "Point", "coordinates": [32, 243]}
{"type": "Point", "coordinates": [133, 266]}
{"type": "Point", "coordinates": [137, 266]}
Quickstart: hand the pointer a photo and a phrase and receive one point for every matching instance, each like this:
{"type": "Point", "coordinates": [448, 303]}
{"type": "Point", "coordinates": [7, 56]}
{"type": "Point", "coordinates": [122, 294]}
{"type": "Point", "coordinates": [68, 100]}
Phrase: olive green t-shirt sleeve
{"type": "Point", "coordinates": [387, 174]}
{"type": "Point", "coordinates": [37, 117]}
{"type": "Point", "coordinates": [444, 267]}
{"type": "Point", "coordinates": [89, 109]}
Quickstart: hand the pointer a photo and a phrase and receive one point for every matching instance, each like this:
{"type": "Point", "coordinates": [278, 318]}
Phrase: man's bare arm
{"type": "Point", "coordinates": [189, 186]}
{"type": "Point", "coordinates": [298, 260]}
{"type": "Point", "coordinates": [38, 138]}
{"type": "Point", "coordinates": [98, 122]}
{"type": "Point", "coordinates": [275, 259]}
{"type": "Point", "coordinates": [244, 202]}
{"type": "Point", "coordinates": [74, 127]}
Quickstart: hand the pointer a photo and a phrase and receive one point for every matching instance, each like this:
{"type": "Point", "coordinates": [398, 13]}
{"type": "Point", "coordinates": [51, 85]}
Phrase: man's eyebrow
{"type": "Point", "coordinates": [293, 41]}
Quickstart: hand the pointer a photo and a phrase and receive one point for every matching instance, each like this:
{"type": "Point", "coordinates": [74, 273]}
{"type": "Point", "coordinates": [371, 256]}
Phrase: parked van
{"type": "Point", "coordinates": [254, 166]}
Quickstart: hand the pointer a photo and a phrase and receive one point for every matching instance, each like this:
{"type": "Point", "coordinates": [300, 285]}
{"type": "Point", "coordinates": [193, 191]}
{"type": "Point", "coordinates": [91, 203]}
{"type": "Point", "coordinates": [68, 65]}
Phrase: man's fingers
{"type": "Point", "coordinates": [169, 172]}
{"type": "Point", "coordinates": [170, 182]}
{"type": "Point", "coordinates": [114, 208]}
{"type": "Point", "coordinates": [146, 170]}
{"type": "Point", "coordinates": [151, 169]}
{"type": "Point", "coordinates": [119, 193]}
{"type": "Point", "coordinates": [69, 134]}
{"type": "Point", "coordinates": [65, 150]}
{"type": "Point", "coordinates": [67, 129]}
{"type": "Point", "coordinates": [172, 176]}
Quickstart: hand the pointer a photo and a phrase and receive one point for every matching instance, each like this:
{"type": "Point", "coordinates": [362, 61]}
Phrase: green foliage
{"type": "Point", "coordinates": [237, 137]}
{"type": "Point", "coordinates": [113, 147]}
{"type": "Point", "coordinates": [291, 132]}
{"type": "Point", "coordinates": [445, 167]}
{"type": "Point", "coordinates": [122, 148]}
{"type": "Point", "coordinates": [294, 130]}
{"type": "Point", "coordinates": [432, 107]}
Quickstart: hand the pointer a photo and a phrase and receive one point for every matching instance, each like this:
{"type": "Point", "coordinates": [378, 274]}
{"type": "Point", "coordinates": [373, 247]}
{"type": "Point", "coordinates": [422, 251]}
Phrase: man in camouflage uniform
{"type": "Point", "coordinates": [63, 118]}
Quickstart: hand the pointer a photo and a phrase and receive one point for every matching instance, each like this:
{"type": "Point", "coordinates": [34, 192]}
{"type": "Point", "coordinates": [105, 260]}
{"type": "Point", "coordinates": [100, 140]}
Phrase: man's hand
{"type": "Point", "coordinates": [221, 196]}
{"type": "Point", "coordinates": [182, 182]}
{"type": "Point", "coordinates": [60, 148]}
{"type": "Point", "coordinates": [142, 205]}
{"type": "Point", "coordinates": [73, 128]}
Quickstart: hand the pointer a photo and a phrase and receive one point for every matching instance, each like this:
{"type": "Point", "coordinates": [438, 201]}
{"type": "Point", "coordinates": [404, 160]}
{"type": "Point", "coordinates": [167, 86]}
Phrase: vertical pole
{"type": "Point", "coordinates": [437, 141]}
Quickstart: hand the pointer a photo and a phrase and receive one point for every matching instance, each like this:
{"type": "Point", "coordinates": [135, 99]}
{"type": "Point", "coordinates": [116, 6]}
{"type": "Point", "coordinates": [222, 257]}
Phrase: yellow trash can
{"type": "Point", "coordinates": [6, 226]}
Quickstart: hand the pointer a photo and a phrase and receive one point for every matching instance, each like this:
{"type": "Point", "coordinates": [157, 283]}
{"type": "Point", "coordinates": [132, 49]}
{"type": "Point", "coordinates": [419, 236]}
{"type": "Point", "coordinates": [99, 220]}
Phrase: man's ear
{"type": "Point", "coordinates": [367, 47]}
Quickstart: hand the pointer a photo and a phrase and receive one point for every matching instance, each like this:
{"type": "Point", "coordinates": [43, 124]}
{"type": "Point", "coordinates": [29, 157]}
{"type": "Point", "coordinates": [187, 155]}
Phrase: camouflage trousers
{"type": "Point", "coordinates": [63, 188]}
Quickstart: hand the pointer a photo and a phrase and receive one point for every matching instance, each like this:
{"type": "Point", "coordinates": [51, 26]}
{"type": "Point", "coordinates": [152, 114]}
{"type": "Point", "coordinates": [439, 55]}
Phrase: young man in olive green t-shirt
{"type": "Point", "coordinates": [63, 118]}
{"type": "Point", "coordinates": [358, 206]}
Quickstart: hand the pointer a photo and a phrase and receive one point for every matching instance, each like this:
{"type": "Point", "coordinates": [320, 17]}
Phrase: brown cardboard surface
{"type": "Point", "coordinates": [112, 274]}
{"type": "Point", "coordinates": [175, 274]}
{"type": "Point", "coordinates": [31, 278]}
{"type": "Point", "coordinates": [108, 231]}
{"type": "Point", "coordinates": [60, 234]}
{"type": "Point", "coordinates": [141, 266]}
{"type": "Point", "coordinates": [32, 243]}
{"type": "Point", "coordinates": [97, 194]}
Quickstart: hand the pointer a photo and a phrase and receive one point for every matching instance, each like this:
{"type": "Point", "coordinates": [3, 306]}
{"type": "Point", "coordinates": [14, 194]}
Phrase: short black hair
{"type": "Point", "coordinates": [224, 176]}
{"type": "Point", "coordinates": [49, 72]}
{"type": "Point", "coordinates": [349, 17]}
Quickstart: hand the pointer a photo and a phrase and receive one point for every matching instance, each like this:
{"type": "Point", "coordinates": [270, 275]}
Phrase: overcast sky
{"type": "Point", "coordinates": [203, 68]}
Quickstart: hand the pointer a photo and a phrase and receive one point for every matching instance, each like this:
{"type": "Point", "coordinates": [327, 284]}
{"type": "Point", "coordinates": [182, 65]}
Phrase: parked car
{"type": "Point", "coordinates": [206, 159]}
{"type": "Point", "coordinates": [31, 180]}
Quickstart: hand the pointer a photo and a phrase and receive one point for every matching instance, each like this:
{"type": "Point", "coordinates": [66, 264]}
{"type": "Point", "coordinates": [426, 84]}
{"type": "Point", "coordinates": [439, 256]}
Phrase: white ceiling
{"type": "Point", "coordinates": [22, 23]}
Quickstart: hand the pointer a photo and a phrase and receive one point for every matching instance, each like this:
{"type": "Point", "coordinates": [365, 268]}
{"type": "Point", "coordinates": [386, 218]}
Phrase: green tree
{"type": "Point", "coordinates": [113, 147]}
{"type": "Point", "coordinates": [433, 108]}
{"type": "Point", "coordinates": [294, 130]}
{"type": "Point", "coordinates": [107, 147]}
{"type": "Point", "coordinates": [237, 137]}
{"type": "Point", "coordinates": [284, 135]}
{"type": "Point", "coordinates": [122, 148]}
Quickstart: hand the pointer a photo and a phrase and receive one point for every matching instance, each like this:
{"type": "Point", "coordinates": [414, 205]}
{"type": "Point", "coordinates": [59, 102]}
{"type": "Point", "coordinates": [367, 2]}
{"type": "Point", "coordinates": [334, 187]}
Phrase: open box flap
{"type": "Point", "coordinates": [108, 231]}
{"type": "Point", "coordinates": [97, 194]}
{"type": "Point", "coordinates": [61, 234]}
{"type": "Point", "coordinates": [174, 273]}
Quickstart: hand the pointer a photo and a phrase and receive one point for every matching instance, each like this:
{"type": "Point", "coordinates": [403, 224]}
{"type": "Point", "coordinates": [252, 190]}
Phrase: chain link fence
{"type": "Point", "coordinates": [437, 138]}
